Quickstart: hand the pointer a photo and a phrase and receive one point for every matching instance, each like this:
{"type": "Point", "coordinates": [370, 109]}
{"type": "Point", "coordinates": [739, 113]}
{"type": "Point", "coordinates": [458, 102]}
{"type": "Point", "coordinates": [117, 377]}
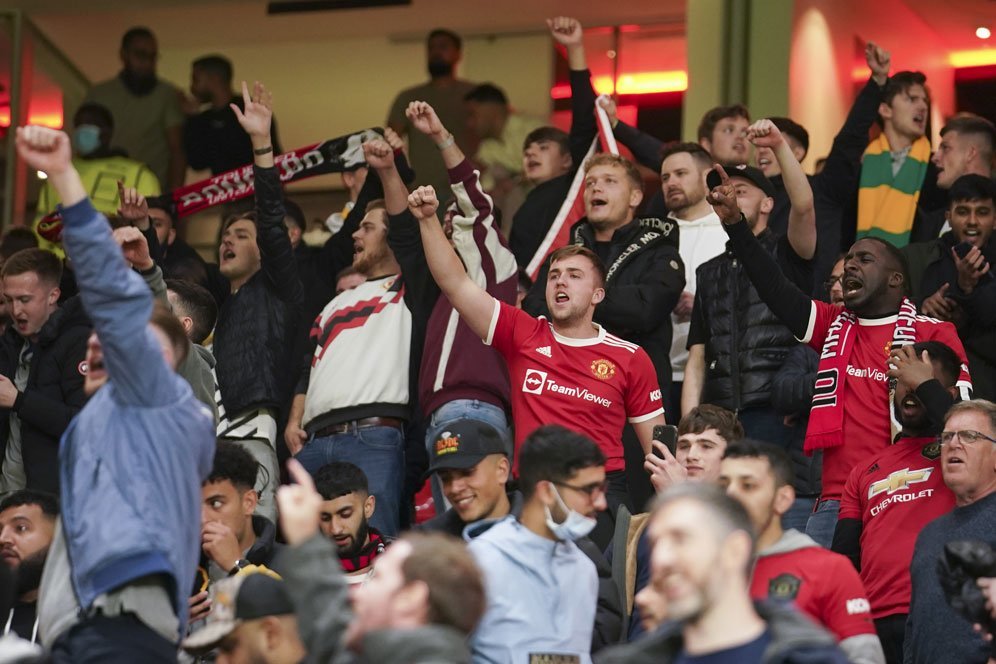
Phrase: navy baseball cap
{"type": "Point", "coordinates": [464, 444]}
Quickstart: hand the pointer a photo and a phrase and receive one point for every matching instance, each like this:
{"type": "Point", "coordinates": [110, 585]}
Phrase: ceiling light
{"type": "Point", "coordinates": [982, 32]}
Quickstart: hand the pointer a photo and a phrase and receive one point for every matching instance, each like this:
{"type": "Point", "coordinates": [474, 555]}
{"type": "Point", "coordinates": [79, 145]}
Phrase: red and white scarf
{"type": "Point", "coordinates": [826, 419]}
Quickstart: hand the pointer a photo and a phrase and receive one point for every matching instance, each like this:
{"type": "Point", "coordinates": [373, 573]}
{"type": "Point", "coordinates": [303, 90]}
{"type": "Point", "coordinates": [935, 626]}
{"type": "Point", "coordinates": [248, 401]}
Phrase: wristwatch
{"type": "Point", "coordinates": [239, 565]}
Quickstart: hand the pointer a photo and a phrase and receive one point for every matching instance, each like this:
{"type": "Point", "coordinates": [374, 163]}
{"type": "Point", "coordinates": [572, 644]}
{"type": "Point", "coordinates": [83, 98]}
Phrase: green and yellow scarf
{"type": "Point", "coordinates": [887, 203]}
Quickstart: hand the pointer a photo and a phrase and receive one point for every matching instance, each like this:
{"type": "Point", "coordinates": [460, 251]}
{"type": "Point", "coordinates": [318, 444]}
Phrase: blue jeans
{"type": "Point", "coordinates": [798, 515]}
{"type": "Point", "coordinates": [380, 453]}
{"type": "Point", "coordinates": [462, 409]}
{"type": "Point", "coordinates": [823, 522]}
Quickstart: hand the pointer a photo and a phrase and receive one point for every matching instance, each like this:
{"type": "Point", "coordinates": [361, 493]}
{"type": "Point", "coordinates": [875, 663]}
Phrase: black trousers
{"type": "Point", "coordinates": [120, 639]}
{"type": "Point", "coordinates": [617, 494]}
{"type": "Point", "coordinates": [892, 633]}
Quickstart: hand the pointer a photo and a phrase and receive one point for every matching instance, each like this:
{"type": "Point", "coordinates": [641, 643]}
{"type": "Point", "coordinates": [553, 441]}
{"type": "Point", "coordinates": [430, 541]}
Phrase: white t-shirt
{"type": "Point", "coordinates": [698, 241]}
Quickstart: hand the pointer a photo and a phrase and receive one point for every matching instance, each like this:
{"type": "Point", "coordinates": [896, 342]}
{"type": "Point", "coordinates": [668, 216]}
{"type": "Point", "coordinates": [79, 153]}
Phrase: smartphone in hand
{"type": "Point", "coordinates": [667, 434]}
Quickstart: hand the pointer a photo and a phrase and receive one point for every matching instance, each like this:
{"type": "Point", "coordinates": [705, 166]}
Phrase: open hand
{"type": "Point", "coordinates": [565, 30]}
{"type": "Point", "coordinates": [423, 117]}
{"type": "Point", "coordinates": [723, 198]}
{"type": "Point", "coordinates": [423, 202]}
{"type": "Point", "coordinates": [44, 149]}
{"type": "Point", "coordinates": [132, 205]}
{"type": "Point", "coordinates": [764, 134]}
{"type": "Point", "coordinates": [906, 367]}
{"type": "Point", "coordinates": [258, 113]}
{"type": "Point", "coordinates": [666, 472]}
{"type": "Point", "coordinates": [299, 505]}
{"type": "Point", "coordinates": [135, 247]}
{"type": "Point", "coordinates": [938, 306]}
{"type": "Point", "coordinates": [970, 269]}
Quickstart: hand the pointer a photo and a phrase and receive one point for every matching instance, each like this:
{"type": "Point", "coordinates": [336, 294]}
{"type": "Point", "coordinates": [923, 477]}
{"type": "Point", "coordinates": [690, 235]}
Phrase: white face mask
{"type": "Point", "coordinates": [573, 527]}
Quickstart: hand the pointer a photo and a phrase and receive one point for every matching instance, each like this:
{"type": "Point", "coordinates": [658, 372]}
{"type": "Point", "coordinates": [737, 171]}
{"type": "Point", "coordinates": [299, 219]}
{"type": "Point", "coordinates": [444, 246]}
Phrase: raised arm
{"type": "Point", "coordinates": [474, 304]}
{"type": "Point", "coordinates": [569, 33]}
{"type": "Point", "coordinates": [802, 213]}
{"type": "Point", "coordinates": [791, 305]}
{"type": "Point", "coordinates": [645, 148]}
{"type": "Point", "coordinates": [276, 254]}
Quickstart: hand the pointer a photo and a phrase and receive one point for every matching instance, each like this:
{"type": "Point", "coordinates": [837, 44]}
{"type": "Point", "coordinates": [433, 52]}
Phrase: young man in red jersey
{"type": "Point", "coordinates": [890, 498]}
{"type": "Point", "coordinates": [850, 418]}
{"type": "Point", "coordinates": [567, 370]}
{"type": "Point", "coordinates": [789, 566]}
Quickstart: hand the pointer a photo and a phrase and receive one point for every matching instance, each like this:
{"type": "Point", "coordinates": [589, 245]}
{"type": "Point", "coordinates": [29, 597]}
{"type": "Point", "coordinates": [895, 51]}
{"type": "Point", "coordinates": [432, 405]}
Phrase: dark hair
{"type": "Point", "coordinates": [248, 215]}
{"type": "Point", "coordinates": [707, 416]}
{"type": "Point", "coordinates": [233, 463]}
{"type": "Point", "coordinates": [698, 153]}
{"type": "Point", "coordinates": [944, 356]}
{"type": "Point", "coordinates": [456, 586]}
{"type": "Point", "coordinates": [44, 263]}
{"type": "Point", "coordinates": [487, 93]}
{"type": "Point", "coordinates": [448, 34]}
{"type": "Point", "coordinates": [215, 64]}
{"type": "Point", "coordinates": [48, 502]}
{"type": "Point", "coordinates": [778, 459]}
{"type": "Point", "coordinates": [553, 453]}
{"type": "Point", "coordinates": [714, 115]}
{"type": "Point", "coordinates": [15, 239]}
{"type": "Point", "coordinates": [163, 319]}
{"type": "Point", "coordinates": [972, 187]}
{"type": "Point", "coordinates": [347, 271]}
{"type": "Point", "coordinates": [548, 134]}
{"type": "Point", "coordinates": [198, 304]}
{"type": "Point", "coordinates": [898, 258]}
{"type": "Point", "coordinates": [577, 250]}
{"type": "Point", "coordinates": [730, 514]}
{"type": "Point", "coordinates": [525, 282]}
{"type": "Point", "coordinates": [790, 127]}
{"type": "Point", "coordinates": [165, 203]}
{"type": "Point", "coordinates": [294, 212]}
{"type": "Point", "coordinates": [99, 112]}
{"type": "Point", "coordinates": [978, 127]}
{"type": "Point", "coordinates": [901, 82]}
{"type": "Point", "coordinates": [138, 32]}
{"type": "Point", "coordinates": [340, 478]}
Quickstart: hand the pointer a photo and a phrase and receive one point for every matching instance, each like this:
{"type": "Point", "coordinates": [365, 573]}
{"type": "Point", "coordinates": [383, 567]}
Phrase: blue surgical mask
{"type": "Point", "coordinates": [574, 526]}
{"type": "Point", "coordinates": [86, 138]}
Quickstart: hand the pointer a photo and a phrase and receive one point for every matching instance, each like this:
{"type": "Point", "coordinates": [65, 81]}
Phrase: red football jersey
{"type": "Point", "coordinates": [822, 584]}
{"type": "Point", "coordinates": [894, 495]}
{"type": "Point", "coordinates": [589, 385]}
{"type": "Point", "coordinates": [867, 417]}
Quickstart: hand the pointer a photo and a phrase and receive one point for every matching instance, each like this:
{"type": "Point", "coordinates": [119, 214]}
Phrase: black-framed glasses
{"type": "Point", "coordinates": [588, 489]}
{"type": "Point", "coordinates": [966, 436]}
{"type": "Point", "coordinates": [832, 281]}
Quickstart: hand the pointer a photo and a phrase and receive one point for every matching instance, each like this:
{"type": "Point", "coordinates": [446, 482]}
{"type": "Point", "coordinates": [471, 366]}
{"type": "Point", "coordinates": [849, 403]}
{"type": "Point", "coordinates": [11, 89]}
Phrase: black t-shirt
{"type": "Point", "coordinates": [214, 139]}
{"type": "Point", "coordinates": [749, 653]}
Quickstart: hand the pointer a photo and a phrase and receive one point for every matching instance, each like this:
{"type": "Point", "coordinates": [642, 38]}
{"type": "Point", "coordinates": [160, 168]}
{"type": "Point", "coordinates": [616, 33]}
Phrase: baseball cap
{"type": "Point", "coordinates": [750, 173]}
{"type": "Point", "coordinates": [463, 444]}
{"type": "Point", "coordinates": [256, 592]}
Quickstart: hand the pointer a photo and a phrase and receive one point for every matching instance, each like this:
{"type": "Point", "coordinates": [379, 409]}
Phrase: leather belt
{"type": "Point", "coordinates": [364, 423]}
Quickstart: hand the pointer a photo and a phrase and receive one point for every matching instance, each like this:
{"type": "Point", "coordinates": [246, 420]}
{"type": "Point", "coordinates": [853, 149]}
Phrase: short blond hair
{"type": "Point", "coordinates": [609, 159]}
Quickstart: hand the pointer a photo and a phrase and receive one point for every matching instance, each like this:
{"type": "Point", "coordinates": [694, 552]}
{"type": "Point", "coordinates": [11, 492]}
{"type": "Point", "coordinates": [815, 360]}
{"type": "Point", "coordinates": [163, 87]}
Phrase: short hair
{"type": "Point", "coordinates": [456, 586]}
{"type": "Point", "coordinates": [197, 303]}
{"type": "Point", "coordinates": [376, 205]}
{"type": "Point", "coordinates": [15, 239]}
{"type": "Point", "coordinates": [553, 453]}
{"type": "Point", "coordinates": [42, 262]}
{"type": "Point", "coordinates": [944, 356]}
{"type": "Point", "coordinates": [99, 112]}
{"type": "Point", "coordinates": [578, 250]}
{"type": "Point", "coordinates": [976, 126]}
{"type": "Point", "coordinates": [294, 212]}
{"type": "Point", "coordinates": [790, 127]}
{"type": "Point", "coordinates": [165, 203]}
{"type": "Point", "coordinates": [972, 187]}
{"type": "Point", "coordinates": [778, 458]}
{"type": "Point", "coordinates": [448, 34]}
{"type": "Point", "coordinates": [609, 159]}
{"type": "Point", "coordinates": [340, 478]}
{"type": "Point", "coordinates": [233, 463]}
{"type": "Point", "coordinates": [164, 320]}
{"type": "Point", "coordinates": [729, 513]}
{"type": "Point", "coordinates": [898, 258]}
{"type": "Point", "coordinates": [138, 32]}
{"type": "Point", "coordinates": [708, 416]}
{"type": "Point", "coordinates": [247, 215]}
{"type": "Point", "coordinates": [215, 64]}
{"type": "Point", "coordinates": [347, 271]}
{"type": "Point", "coordinates": [714, 115]}
{"type": "Point", "coordinates": [487, 93]}
{"type": "Point", "coordinates": [548, 134]}
{"type": "Point", "coordinates": [698, 153]}
{"type": "Point", "coordinates": [987, 408]}
{"type": "Point", "coordinates": [901, 82]}
{"type": "Point", "coordinates": [48, 502]}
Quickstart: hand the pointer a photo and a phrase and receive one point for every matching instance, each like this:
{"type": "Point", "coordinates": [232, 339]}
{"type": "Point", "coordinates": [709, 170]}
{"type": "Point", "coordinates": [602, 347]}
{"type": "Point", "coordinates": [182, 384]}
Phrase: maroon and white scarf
{"type": "Point", "coordinates": [826, 419]}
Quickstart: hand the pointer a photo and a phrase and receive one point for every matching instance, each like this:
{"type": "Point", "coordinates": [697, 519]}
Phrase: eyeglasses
{"type": "Point", "coordinates": [832, 281]}
{"type": "Point", "coordinates": [588, 489]}
{"type": "Point", "coordinates": [967, 437]}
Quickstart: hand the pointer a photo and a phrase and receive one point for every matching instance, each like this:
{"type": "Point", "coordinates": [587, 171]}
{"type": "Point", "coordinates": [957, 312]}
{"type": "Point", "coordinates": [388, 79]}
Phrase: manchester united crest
{"type": "Point", "coordinates": [603, 369]}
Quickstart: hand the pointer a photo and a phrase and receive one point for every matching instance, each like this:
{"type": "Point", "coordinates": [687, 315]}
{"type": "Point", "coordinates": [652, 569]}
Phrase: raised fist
{"type": "Point", "coordinates": [135, 247]}
{"type": "Point", "coordinates": [608, 105]}
{"type": "Point", "coordinates": [879, 61]}
{"type": "Point", "coordinates": [764, 134]}
{"type": "Point", "coordinates": [44, 149]}
{"type": "Point", "coordinates": [378, 154]}
{"type": "Point", "coordinates": [565, 30]}
{"type": "Point", "coordinates": [423, 117]}
{"type": "Point", "coordinates": [423, 202]}
{"type": "Point", "coordinates": [392, 138]}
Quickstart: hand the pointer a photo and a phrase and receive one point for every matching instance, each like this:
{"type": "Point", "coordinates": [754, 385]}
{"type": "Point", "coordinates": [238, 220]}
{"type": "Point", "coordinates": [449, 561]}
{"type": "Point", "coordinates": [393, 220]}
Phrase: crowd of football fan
{"type": "Point", "coordinates": [744, 416]}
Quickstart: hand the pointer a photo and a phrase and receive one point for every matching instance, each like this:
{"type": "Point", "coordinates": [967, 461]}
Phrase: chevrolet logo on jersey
{"type": "Point", "coordinates": [899, 480]}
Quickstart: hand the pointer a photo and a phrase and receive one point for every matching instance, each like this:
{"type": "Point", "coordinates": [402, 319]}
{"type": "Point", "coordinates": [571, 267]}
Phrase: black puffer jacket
{"type": "Point", "coordinates": [645, 280]}
{"type": "Point", "coordinates": [746, 342]}
{"type": "Point", "coordinates": [53, 394]}
{"type": "Point", "coordinates": [256, 324]}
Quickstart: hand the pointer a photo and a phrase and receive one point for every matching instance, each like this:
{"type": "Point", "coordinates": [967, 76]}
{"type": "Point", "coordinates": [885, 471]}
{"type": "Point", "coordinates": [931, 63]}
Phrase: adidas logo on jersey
{"type": "Point", "coordinates": [544, 350]}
